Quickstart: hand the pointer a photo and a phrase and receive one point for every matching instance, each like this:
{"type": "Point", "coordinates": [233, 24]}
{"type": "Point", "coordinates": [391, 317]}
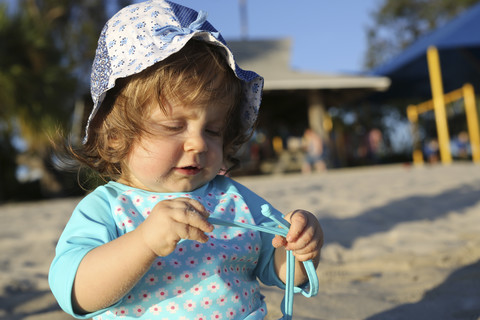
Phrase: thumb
{"type": "Point", "coordinates": [279, 241]}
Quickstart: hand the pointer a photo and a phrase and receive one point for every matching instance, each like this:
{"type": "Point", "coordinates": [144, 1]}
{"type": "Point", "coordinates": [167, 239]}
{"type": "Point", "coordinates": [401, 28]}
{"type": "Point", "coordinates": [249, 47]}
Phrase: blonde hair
{"type": "Point", "coordinates": [198, 73]}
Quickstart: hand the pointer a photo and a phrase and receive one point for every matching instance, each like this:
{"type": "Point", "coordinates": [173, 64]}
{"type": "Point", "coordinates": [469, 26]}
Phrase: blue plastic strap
{"type": "Point", "coordinates": [290, 289]}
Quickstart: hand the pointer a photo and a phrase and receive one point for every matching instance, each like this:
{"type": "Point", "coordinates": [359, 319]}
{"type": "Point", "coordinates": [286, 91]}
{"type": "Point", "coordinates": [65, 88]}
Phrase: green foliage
{"type": "Point", "coordinates": [46, 50]}
{"type": "Point", "coordinates": [398, 23]}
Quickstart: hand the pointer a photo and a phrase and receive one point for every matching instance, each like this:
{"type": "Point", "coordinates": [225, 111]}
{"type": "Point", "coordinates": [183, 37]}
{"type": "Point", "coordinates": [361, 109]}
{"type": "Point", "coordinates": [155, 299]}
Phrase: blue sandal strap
{"type": "Point", "coordinates": [290, 289]}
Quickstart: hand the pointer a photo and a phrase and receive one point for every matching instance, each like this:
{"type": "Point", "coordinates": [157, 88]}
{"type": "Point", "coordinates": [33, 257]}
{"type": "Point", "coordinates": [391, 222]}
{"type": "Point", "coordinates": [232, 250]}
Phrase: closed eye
{"type": "Point", "coordinates": [215, 131]}
{"type": "Point", "coordinates": [173, 128]}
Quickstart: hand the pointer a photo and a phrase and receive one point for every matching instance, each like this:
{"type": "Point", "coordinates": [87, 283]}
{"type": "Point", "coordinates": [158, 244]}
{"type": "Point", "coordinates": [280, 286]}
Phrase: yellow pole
{"type": "Point", "coordinates": [412, 114]}
{"type": "Point", "coordinates": [472, 121]}
{"type": "Point", "coordinates": [439, 104]}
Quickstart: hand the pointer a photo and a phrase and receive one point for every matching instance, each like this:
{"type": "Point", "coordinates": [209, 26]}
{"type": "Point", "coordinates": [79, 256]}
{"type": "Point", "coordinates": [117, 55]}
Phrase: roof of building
{"type": "Point", "coordinates": [271, 59]}
{"type": "Point", "coordinates": [458, 43]}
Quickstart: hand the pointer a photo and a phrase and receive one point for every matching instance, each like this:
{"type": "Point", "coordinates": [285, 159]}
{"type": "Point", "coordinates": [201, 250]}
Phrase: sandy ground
{"type": "Point", "coordinates": [400, 243]}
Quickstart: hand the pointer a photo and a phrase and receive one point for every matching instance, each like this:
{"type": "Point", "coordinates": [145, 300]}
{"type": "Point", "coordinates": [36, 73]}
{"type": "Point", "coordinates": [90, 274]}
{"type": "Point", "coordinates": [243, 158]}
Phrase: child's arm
{"type": "Point", "coordinates": [111, 270]}
{"type": "Point", "coordinates": [305, 239]}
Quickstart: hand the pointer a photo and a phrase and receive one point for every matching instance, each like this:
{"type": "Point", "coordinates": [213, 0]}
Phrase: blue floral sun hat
{"type": "Point", "coordinates": [142, 34]}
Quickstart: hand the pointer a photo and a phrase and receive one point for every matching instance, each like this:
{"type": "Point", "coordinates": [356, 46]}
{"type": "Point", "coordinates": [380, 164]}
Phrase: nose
{"type": "Point", "coordinates": [195, 142]}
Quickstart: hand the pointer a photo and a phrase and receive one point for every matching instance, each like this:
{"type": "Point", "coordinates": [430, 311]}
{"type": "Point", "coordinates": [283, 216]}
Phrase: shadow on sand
{"type": "Point", "coordinates": [22, 305]}
{"type": "Point", "coordinates": [384, 218]}
{"type": "Point", "coordinates": [458, 297]}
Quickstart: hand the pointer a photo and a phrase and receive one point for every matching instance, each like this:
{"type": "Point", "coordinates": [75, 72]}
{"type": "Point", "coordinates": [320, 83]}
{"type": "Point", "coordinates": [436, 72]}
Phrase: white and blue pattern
{"type": "Point", "coordinates": [213, 280]}
{"type": "Point", "coordinates": [143, 34]}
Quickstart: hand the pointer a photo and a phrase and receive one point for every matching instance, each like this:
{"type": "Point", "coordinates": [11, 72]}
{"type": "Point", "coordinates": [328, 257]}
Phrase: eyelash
{"type": "Point", "coordinates": [173, 129]}
{"type": "Point", "coordinates": [216, 133]}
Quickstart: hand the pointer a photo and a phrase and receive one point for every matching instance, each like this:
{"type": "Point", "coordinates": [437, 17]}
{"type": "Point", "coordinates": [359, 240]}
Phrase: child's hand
{"type": "Point", "coordinates": [173, 220]}
{"type": "Point", "coordinates": [305, 237]}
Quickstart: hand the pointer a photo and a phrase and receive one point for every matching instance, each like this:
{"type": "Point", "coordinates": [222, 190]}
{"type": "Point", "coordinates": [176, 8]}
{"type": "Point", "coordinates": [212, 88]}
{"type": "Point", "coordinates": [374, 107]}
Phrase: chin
{"type": "Point", "coordinates": [189, 187]}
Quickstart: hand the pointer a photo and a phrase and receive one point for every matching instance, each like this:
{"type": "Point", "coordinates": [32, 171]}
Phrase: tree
{"type": "Point", "coordinates": [46, 49]}
{"type": "Point", "coordinates": [398, 23]}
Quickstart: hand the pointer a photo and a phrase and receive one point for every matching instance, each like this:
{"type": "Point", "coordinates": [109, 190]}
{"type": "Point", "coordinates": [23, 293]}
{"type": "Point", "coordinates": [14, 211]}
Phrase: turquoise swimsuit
{"type": "Point", "coordinates": [215, 280]}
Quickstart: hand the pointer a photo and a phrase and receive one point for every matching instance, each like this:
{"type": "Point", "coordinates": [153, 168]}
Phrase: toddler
{"type": "Point", "coordinates": [171, 108]}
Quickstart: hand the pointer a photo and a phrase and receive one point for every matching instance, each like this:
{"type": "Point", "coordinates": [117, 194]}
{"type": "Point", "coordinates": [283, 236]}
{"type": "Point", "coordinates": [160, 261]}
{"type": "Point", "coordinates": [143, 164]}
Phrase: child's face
{"type": "Point", "coordinates": [182, 151]}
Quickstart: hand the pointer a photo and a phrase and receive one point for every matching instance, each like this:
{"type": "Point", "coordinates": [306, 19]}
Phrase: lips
{"type": "Point", "coordinates": [189, 170]}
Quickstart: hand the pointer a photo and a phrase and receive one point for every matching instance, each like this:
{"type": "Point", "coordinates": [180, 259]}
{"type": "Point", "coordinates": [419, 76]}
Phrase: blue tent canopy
{"type": "Point", "coordinates": [458, 43]}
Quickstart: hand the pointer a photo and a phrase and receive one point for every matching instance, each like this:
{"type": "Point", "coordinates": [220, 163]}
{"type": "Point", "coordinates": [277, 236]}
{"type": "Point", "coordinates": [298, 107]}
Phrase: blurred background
{"type": "Point", "coordinates": [338, 79]}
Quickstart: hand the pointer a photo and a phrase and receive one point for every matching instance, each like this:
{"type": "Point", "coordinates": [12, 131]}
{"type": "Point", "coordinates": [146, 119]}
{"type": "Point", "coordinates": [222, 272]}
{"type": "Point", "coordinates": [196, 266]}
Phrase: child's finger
{"type": "Point", "coordinates": [298, 221]}
{"type": "Point", "coordinates": [302, 241]}
{"type": "Point", "coordinates": [190, 213]}
{"type": "Point", "coordinates": [196, 206]}
{"type": "Point", "coordinates": [305, 256]}
{"type": "Point", "coordinates": [279, 241]}
{"type": "Point", "coordinates": [311, 246]}
{"type": "Point", "coordinates": [185, 231]}
{"type": "Point", "coordinates": [194, 218]}
{"type": "Point", "coordinates": [194, 214]}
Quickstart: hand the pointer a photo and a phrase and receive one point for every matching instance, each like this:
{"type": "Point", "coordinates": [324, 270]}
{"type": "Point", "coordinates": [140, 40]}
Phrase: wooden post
{"type": "Point", "coordinates": [439, 104]}
{"type": "Point", "coordinates": [412, 114]}
{"type": "Point", "coordinates": [472, 121]}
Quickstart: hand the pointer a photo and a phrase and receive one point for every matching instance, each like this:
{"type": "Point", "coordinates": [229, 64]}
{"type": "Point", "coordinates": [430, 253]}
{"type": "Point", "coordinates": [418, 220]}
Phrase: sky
{"type": "Point", "coordinates": [327, 36]}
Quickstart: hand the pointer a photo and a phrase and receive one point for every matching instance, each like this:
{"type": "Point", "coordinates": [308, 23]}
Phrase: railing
{"type": "Point", "coordinates": [468, 95]}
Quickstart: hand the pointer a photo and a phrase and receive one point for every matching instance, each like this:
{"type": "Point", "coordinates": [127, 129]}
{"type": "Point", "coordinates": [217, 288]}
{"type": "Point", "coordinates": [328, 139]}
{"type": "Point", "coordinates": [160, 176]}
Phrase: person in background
{"type": "Point", "coordinates": [314, 152]}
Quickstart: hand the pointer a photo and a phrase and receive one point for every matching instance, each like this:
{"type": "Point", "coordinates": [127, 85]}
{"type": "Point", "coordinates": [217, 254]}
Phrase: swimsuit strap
{"type": "Point", "coordinates": [290, 289]}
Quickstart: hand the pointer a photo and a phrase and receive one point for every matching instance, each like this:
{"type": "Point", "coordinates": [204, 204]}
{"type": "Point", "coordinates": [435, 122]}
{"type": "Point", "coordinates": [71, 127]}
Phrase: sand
{"type": "Point", "coordinates": [400, 243]}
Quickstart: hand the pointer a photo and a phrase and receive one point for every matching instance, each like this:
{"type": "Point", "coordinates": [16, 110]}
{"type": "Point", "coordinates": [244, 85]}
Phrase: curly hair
{"type": "Point", "coordinates": [197, 74]}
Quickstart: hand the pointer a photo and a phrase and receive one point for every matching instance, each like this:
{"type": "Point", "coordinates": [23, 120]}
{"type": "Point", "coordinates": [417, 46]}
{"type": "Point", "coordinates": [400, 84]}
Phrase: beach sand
{"type": "Point", "coordinates": [400, 243]}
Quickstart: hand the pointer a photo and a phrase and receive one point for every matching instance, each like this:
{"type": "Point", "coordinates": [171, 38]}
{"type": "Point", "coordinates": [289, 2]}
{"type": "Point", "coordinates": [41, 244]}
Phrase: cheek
{"type": "Point", "coordinates": [216, 150]}
{"type": "Point", "coordinates": [147, 158]}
